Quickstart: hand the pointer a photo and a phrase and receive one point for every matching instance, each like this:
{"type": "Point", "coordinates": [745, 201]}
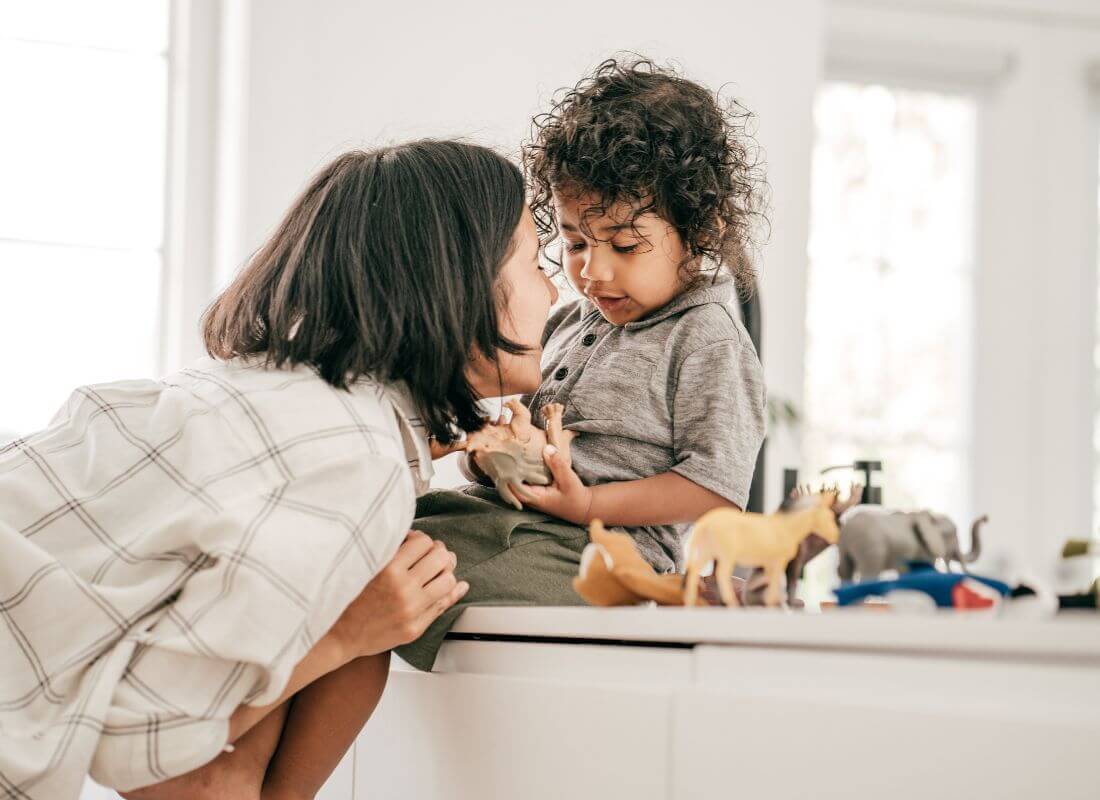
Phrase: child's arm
{"type": "Point", "coordinates": [665, 499]}
{"type": "Point", "coordinates": [718, 426]}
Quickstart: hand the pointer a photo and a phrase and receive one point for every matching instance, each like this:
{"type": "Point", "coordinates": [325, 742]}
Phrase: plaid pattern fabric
{"type": "Point", "coordinates": [171, 549]}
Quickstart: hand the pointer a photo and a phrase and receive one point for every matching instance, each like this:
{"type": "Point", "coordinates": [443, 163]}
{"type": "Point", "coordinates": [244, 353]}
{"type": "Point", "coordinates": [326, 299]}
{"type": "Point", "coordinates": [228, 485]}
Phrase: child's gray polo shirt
{"type": "Point", "coordinates": [681, 390]}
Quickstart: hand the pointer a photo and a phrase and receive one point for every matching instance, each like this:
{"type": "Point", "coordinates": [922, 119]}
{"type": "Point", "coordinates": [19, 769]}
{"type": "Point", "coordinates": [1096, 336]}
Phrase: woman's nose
{"type": "Point", "coordinates": [553, 288]}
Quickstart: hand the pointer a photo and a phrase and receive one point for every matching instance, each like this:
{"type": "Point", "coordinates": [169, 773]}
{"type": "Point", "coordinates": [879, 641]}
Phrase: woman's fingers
{"type": "Point", "coordinates": [437, 560]}
{"type": "Point", "coordinates": [448, 594]}
{"type": "Point", "coordinates": [439, 588]}
{"type": "Point", "coordinates": [440, 450]}
{"type": "Point", "coordinates": [415, 547]}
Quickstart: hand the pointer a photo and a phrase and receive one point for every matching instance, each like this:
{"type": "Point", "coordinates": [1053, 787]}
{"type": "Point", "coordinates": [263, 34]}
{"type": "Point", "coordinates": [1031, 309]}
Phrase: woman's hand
{"type": "Point", "coordinates": [567, 498]}
{"type": "Point", "coordinates": [440, 450]}
{"type": "Point", "coordinates": [402, 600]}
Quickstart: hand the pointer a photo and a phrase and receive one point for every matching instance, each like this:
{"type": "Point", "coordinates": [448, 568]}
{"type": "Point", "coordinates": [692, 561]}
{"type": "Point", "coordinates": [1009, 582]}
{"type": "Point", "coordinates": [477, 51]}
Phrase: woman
{"type": "Point", "coordinates": [228, 547]}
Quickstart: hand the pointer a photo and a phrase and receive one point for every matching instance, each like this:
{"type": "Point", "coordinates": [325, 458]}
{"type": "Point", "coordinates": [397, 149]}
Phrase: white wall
{"type": "Point", "coordinates": [300, 82]}
{"type": "Point", "coordinates": [324, 76]}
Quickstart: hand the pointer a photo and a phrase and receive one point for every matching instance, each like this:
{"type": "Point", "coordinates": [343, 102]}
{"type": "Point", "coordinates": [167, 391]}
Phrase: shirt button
{"type": "Point", "coordinates": [560, 374]}
{"type": "Point", "coordinates": [589, 339]}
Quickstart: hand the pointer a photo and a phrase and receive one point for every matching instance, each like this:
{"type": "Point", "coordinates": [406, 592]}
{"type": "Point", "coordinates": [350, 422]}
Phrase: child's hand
{"type": "Point", "coordinates": [567, 498]}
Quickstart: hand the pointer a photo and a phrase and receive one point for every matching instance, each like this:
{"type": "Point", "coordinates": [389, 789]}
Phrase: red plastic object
{"type": "Point", "coordinates": [968, 594]}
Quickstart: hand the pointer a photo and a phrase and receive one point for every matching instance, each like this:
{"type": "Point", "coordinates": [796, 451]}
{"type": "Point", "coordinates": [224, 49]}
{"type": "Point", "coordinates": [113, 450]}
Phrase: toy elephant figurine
{"type": "Point", "coordinates": [873, 540]}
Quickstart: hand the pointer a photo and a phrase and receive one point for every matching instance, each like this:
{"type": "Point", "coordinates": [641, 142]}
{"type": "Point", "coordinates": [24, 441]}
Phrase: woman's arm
{"type": "Point", "coordinates": [665, 499]}
{"type": "Point", "coordinates": [398, 604]}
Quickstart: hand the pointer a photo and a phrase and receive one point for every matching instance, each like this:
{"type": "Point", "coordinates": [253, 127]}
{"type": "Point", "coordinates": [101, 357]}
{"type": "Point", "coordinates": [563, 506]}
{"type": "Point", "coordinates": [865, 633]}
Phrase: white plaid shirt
{"type": "Point", "coordinates": [171, 549]}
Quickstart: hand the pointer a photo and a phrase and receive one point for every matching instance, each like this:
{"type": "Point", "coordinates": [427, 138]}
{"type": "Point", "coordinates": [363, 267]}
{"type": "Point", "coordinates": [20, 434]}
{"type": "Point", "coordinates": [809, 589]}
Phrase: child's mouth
{"type": "Point", "coordinates": [610, 304]}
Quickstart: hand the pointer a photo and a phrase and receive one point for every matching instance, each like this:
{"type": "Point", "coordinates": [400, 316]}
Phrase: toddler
{"type": "Point", "coordinates": [646, 193]}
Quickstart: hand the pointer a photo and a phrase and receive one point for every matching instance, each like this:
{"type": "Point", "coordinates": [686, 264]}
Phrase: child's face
{"type": "Point", "coordinates": [529, 293]}
{"type": "Point", "coordinates": [627, 271]}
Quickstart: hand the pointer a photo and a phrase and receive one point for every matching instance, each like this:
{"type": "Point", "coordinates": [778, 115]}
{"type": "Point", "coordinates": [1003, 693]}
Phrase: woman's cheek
{"type": "Point", "coordinates": [522, 373]}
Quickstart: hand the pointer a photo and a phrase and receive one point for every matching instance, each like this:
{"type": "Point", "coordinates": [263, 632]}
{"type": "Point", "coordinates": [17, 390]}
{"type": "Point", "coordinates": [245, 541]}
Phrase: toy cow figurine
{"type": "Point", "coordinates": [771, 541]}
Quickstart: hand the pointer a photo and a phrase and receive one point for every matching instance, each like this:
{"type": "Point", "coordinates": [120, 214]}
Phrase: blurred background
{"type": "Point", "coordinates": [929, 287]}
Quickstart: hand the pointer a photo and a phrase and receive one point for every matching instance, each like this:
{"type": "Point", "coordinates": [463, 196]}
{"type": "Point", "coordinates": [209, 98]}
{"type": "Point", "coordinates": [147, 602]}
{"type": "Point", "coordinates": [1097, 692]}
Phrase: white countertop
{"type": "Point", "coordinates": [1074, 637]}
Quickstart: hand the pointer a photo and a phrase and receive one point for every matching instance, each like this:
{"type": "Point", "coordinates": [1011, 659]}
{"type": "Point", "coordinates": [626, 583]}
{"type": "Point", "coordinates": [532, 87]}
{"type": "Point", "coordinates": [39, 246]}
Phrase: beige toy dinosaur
{"type": "Point", "coordinates": [510, 454]}
{"type": "Point", "coordinates": [771, 541]}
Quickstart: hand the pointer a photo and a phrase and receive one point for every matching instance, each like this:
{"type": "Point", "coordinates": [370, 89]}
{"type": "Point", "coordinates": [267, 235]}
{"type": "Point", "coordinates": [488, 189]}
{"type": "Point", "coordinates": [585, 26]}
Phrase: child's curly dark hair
{"type": "Point", "coordinates": [637, 132]}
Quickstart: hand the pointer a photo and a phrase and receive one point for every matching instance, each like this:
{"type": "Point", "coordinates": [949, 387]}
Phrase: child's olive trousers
{"type": "Point", "coordinates": [508, 557]}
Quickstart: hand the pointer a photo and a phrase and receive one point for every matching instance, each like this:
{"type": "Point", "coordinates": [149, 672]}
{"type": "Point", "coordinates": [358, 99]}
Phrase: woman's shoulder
{"type": "Point", "coordinates": [292, 411]}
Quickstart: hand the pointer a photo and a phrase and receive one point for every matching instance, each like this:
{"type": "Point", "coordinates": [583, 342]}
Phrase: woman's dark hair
{"type": "Point", "coordinates": [638, 133]}
{"type": "Point", "coordinates": [386, 266]}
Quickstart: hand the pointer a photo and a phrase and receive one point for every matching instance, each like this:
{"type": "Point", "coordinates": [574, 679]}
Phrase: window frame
{"type": "Point", "coordinates": [192, 202]}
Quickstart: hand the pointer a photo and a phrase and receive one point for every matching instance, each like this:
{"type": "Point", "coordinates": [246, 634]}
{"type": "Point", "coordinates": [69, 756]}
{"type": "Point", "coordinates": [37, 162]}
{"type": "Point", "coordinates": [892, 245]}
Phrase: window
{"type": "Point", "coordinates": [83, 92]}
{"type": "Point", "coordinates": [889, 289]}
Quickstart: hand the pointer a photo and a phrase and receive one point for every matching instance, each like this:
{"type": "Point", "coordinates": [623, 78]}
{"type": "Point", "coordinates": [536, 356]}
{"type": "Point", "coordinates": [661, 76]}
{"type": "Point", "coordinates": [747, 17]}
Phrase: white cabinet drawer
{"type": "Point", "coordinates": [465, 736]}
{"type": "Point", "coordinates": [798, 724]}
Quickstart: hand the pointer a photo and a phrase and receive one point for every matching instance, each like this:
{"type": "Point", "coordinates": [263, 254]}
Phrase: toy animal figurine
{"type": "Point", "coordinates": [873, 540]}
{"type": "Point", "coordinates": [510, 454]}
{"type": "Point", "coordinates": [800, 498]}
{"type": "Point", "coordinates": [952, 551]}
{"type": "Point", "coordinates": [948, 589]}
{"type": "Point", "coordinates": [770, 541]}
{"type": "Point", "coordinates": [613, 573]}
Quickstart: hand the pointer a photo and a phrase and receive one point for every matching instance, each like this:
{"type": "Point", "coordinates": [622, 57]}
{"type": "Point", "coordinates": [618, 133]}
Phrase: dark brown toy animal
{"type": "Point", "coordinates": [812, 546]}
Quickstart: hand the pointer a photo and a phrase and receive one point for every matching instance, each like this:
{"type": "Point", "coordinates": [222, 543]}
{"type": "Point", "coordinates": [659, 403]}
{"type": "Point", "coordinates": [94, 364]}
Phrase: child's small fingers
{"type": "Point", "coordinates": [522, 491]}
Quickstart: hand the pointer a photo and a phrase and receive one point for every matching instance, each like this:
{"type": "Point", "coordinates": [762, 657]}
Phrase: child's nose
{"type": "Point", "coordinates": [597, 268]}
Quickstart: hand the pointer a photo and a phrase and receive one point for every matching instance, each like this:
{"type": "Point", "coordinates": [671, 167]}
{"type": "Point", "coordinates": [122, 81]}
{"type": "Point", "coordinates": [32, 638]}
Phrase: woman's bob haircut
{"type": "Point", "coordinates": [385, 267]}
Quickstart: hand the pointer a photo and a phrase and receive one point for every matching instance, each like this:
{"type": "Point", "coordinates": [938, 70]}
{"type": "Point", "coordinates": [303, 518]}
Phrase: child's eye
{"type": "Point", "coordinates": [574, 247]}
{"type": "Point", "coordinates": [625, 249]}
